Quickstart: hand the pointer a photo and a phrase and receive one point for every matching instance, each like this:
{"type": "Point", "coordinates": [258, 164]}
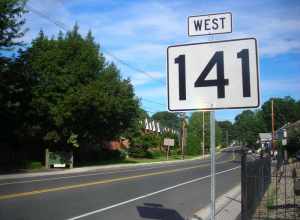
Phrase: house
{"type": "Point", "coordinates": [122, 143]}
{"type": "Point", "coordinates": [265, 140]}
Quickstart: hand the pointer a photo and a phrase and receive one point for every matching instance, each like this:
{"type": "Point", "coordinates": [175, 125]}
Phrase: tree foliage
{"type": "Point", "coordinates": [75, 92]}
{"type": "Point", "coordinates": [248, 125]}
{"type": "Point", "coordinates": [195, 138]}
{"type": "Point", "coordinates": [227, 132]}
{"type": "Point", "coordinates": [285, 110]}
{"type": "Point", "coordinates": [11, 22]}
{"type": "Point", "coordinates": [14, 93]}
{"type": "Point", "coordinates": [167, 119]}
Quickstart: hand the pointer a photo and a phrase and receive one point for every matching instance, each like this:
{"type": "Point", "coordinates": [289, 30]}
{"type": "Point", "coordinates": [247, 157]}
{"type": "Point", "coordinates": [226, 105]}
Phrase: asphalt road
{"type": "Point", "coordinates": [169, 192]}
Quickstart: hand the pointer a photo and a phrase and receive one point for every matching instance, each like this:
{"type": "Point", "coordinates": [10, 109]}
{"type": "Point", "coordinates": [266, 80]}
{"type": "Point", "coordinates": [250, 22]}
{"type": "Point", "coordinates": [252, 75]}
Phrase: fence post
{"type": "Point", "coordinates": [244, 183]}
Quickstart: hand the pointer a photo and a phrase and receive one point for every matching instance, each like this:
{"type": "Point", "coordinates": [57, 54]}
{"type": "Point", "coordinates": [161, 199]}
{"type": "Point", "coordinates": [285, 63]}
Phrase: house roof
{"type": "Point", "coordinates": [265, 136]}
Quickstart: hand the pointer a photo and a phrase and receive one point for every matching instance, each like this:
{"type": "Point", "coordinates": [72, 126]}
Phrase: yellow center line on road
{"type": "Point", "coordinates": [41, 191]}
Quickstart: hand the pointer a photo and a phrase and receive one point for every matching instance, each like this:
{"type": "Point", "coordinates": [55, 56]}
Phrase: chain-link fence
{"type": "Point", "coordinates": [256, 178]}
{"type": "Point", "coordinates": [269, 186]}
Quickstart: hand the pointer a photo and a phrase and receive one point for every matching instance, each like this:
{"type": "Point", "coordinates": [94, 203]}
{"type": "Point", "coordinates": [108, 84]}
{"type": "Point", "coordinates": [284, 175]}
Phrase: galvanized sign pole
{"type": "Point", "coordinates": [236, 63]}
{"type": "Point", "coordinates": [213, 163]}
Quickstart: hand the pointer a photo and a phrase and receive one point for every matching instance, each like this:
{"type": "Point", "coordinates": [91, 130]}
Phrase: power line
{"type": "Point", "coordinates": [158, 103]}
{"type": "Point", "coordinates": [131, 66]}
{"type": "Point", "coordinates": [47, 17]}
{"type": "Point", "coordinates": [65, 28]}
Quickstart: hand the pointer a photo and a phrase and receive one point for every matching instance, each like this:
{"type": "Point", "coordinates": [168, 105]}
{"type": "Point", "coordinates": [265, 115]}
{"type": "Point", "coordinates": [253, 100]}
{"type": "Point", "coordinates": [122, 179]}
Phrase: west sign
{"type": "Point", "coordinates": [210, 24]}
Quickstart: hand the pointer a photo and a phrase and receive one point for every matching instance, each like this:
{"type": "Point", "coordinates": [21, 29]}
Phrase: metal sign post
{"type": "Point", "coordinates": [203, 136]}
{"type": "Point", "coordinates": [212, 75]}
{"type": "Point", "coordinates": [212, 163]}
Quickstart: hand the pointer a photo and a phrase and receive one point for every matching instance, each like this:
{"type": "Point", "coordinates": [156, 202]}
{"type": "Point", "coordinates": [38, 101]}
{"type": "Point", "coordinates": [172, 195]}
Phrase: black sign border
{"type": "Point", "coordinates": [207, 109]}
{"type": "Point", "coordinates": [205, 16]}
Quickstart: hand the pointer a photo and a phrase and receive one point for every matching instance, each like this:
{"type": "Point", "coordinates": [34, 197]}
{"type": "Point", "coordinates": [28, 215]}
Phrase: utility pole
{"type": "Point", "coordinates": [183, 134]}
{"type": "Point", "coordinates": [273, 126]}
{"type": "Point", "coordinates": [203, 134]}
{"type": "Point", "coordinates": [226, 138]}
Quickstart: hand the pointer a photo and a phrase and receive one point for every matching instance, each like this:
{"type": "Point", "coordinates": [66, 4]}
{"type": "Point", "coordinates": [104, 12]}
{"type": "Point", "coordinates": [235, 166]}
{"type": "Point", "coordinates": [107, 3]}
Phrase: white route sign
{"type": "Point", "coordinates": [169, 142]}
{"type": "Point", "coordinates": [213, 75]}
{"type": "Point", "coordinates": [210, 24]}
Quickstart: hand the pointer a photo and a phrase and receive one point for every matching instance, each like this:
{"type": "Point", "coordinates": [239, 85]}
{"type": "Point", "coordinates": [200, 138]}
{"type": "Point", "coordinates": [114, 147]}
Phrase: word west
{"type": "Point", "coordinates": [210, 24]}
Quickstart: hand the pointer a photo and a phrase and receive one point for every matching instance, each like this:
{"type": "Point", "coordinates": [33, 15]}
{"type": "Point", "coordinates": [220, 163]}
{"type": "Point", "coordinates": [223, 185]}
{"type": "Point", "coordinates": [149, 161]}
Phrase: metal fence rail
{"type": "Point", "coordinates": [268, 188]}
{"type": "Point", "coordinates": [256, 177]}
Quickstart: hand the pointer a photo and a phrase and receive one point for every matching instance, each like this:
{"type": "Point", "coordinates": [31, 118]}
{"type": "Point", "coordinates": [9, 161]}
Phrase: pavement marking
{"type": "Point", "coordinates": [36, 192]}
{"type": "Point", "coordinates": [91, 174]}
{"type": "Point", "coordinates": [83, 175]}
{"type": "Point", "coordinates": [147, 195]}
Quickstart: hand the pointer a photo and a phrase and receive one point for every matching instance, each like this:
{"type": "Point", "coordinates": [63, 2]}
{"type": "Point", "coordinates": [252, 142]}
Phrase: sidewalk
{"type": "Point", "coordinates": [91, 168]}
{"type": "Point", "coordinates": [228, 207]}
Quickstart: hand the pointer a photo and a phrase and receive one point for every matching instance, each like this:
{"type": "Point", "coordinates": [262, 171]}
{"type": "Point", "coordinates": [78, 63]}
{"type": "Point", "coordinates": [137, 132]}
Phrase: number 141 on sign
{"type": "Point", "coordinates": [213, 75]}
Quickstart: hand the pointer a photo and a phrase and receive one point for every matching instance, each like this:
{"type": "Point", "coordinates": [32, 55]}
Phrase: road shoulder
{"type": "Point", "coordinates": [93, 168]}
{"type": "Point", "coordinates": [228, 206]}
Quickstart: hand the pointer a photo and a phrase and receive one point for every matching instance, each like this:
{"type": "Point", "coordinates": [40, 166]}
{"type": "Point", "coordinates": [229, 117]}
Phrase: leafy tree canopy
{"type": "Point", "coordinates": [167, 119]}
{"type": "Point", "coordinates": [285, 110]}
{"type": "Point", "coordinates": [248, 125]}
{"type": "Point", "coordinates": [75, 92]}
{"type": "Point", "coordinates": [11, 22]}
{"type": "Point", "coordinates": [195, 132]}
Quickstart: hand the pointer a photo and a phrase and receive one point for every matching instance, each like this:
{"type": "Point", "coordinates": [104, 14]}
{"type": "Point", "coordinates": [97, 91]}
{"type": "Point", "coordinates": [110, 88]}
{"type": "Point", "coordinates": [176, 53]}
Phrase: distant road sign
{"type": "Point", "coordinates": [210, 24]}
{"type": "Point", "coordinates": [169, 142]}
{"type": "Point", "coordinates": [213, 75]}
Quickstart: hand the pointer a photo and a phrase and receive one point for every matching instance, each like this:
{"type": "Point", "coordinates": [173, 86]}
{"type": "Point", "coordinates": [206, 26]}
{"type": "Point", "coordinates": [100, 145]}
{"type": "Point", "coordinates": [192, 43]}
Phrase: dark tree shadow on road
{"type": "Point", "coordinates": [157, 211]}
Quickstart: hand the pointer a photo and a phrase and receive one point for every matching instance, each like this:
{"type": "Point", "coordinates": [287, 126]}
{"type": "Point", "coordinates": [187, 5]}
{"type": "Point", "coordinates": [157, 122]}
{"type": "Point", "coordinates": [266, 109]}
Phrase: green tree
{"type": "Point", "coordinates": [247, 126]}
{"type": "Point", "coordinates": [293, 138]}
{"type": "Point", "coordinates": [227, 132]}
{"type": "Point", "coordinates": [11, 22]}
{"type": "Point", "coordinates": [75, 93]}
{"type": "Point", "coordinates": [194, 136]}
{"type": "Point", "coordinates": [285, 110]}
{"type": "Point", "coordinates": [14, 94]}
{"type": "Point", "coordinates": [167, 119]}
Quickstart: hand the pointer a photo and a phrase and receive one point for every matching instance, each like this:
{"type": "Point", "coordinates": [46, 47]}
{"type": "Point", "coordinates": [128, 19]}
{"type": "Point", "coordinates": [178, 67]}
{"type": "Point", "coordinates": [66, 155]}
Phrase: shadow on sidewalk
{"type": "Point", "coordinates": [239, 217]}
{"type": "Point", "coordinates": [157, 211]}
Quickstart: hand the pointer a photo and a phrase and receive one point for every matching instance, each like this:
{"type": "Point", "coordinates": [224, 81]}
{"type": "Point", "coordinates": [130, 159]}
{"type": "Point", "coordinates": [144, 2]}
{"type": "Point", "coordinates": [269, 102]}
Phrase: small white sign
{"type": "Point", "coordinates": [58, 165]}
{"type": "Point", "coordinates": [169, 142]}
{"type": "Point", "coordinates": [210, 24]}
{"type": "Point", "coordinates": [213, 75]}
{"type": "Point", "coordinates": [284, 142]}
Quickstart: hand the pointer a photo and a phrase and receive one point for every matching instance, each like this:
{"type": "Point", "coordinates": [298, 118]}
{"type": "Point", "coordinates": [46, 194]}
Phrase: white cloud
{"type": "Point", "coordinates": [146, 52]}
{"type": "Point", "coordinates": [139, 31]}
{"type": "Point", "coordinates": [151, 92]}
{"type": "Point", "coordinates": [291, 85]}
{"type": "Point", "coordinates": [131, 25]}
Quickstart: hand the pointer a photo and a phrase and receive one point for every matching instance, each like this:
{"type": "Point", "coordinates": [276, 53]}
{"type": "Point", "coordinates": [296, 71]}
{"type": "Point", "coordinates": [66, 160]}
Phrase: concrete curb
{"type": "Point", "coordinates": [228, 206]}
{"type": "Point", "coordinates": [93, 168]}
{"type": "Point", "coordinates": [97, 168]}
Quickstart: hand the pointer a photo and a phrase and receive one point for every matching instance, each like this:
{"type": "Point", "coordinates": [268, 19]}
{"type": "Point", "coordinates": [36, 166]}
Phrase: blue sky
{"type": "Point", "coordinates": [138, 32]}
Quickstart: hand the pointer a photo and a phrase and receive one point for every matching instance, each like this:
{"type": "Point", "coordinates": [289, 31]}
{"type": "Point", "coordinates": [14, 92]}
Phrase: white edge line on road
{"type": "Point", "coordinates": [92, 174]}
{"type": "Point", "coordinates": [84, 175]}
{"type": "Point", "coordinates": [147, 195]}
{"type": "Point", "coordinates": [159, 165]}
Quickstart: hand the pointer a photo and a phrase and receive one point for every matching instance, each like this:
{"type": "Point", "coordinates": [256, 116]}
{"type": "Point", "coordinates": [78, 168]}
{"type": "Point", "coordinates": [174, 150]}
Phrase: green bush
{"type": "Point", "coordinates": [157, 154]}
{"type": "Point", "coordinates": [34, 165]}
{"type": "Point", "coordinates": [141, 144]}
